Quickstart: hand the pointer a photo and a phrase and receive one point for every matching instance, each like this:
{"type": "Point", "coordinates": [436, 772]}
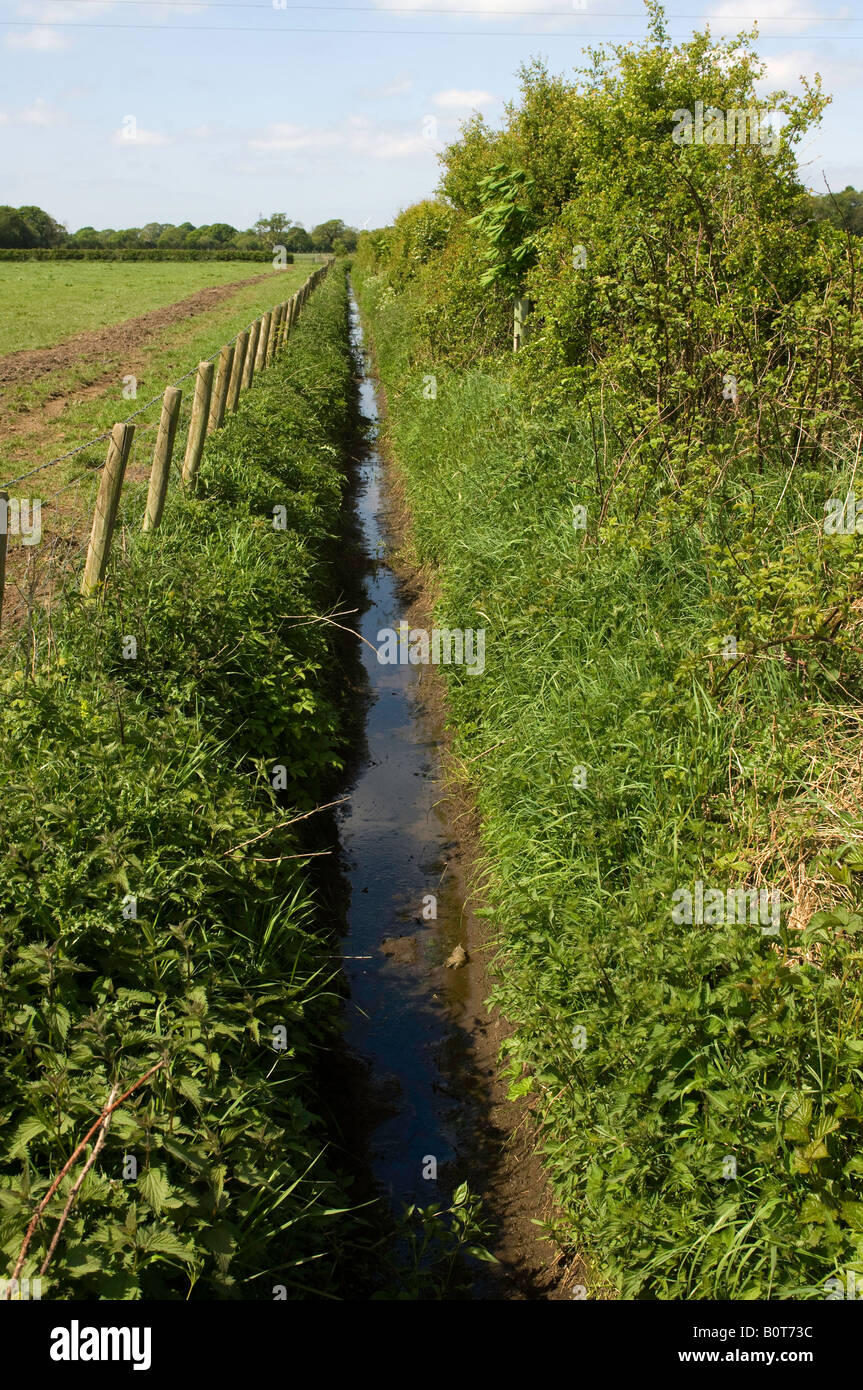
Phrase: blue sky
{"type": "Point", "coordinates": [319, 111]}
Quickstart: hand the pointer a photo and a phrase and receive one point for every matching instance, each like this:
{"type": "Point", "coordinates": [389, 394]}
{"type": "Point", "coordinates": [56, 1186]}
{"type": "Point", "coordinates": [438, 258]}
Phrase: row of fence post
{"type": "Point", "coordinates": [217, 393]}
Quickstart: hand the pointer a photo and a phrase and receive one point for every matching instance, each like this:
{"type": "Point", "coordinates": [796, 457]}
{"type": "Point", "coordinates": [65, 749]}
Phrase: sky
{"type": "Point", "coordinates": [114, 113]}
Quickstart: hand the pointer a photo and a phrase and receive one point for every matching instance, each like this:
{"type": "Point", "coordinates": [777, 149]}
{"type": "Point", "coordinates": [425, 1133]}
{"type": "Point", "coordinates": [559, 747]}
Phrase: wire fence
{"type": "Point", "coordinates": [41, 558]}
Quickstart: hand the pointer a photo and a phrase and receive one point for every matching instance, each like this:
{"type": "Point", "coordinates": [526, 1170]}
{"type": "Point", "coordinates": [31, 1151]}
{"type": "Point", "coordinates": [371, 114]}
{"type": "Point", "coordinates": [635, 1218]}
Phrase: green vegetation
{"type": "Point", "coordinates": [633, 508]}
{"type": "Point", "coordinates": [31, 228]}
{"type": "Point", "coordinates": [147, 779]}
{"type": "Point", "coordinates": [843, 210]}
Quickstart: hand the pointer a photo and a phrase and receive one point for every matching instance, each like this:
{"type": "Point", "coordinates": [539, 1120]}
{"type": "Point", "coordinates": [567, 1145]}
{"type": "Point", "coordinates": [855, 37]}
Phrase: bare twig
{"type": "Point", "coordinates": [281, 825]}
{"type": "Point", "coordinates": [310, 618]}
{"type": "Point", "coordinates": [34, 1221]}
{"type": "Point", "coordinates": [76, 1187]}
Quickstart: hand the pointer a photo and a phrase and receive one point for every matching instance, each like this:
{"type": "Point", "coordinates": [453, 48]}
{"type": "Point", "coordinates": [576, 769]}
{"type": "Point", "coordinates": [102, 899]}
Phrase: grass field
{"type": "Point", "coordinates": [44, 416]}
{"type": "Point", "coordinates": [47, 301]}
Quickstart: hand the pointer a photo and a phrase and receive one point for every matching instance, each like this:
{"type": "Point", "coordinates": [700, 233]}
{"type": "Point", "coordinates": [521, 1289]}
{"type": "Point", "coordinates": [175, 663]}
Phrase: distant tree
{"type": "Point", "coordinates": [843, 209]}
{"type": "Point", "coordinates": [86, 238]}
{"type": "Point", "coordinates": [49, 232]}
{"type": "Point", "coordinates": [150, 233]}
{"type": "Point", "coordinates": [298, 239]}
{"type": "Point", "coordinates": [172, 238]}
{"type": "Point", "coordinates": [273, 229]}
{"type": "Point", "coordinates": [15, 231]}
{"type": "Point", "coordinates": [326, 233]}
{"type": "Point", "coordinates": [220, 233]}
{"type": "Point", "coordinates": [120, 240]}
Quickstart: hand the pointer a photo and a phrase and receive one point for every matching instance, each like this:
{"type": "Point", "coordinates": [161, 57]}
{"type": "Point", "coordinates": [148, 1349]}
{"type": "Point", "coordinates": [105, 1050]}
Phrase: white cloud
{"type": "Point", "coordinates": [399, 87]}
{"type": "Point", "coordinates": [456, 100]}
{"type": "Point", "coordinates": [40, 113]}
{"type": "Point", "coordinates": [69, 10]}
{"type": "Point", "coordinates": [783, 70]}
{"type": "Point", "coordinates": [356, 136]}
{"type": "Point", "coordinates": [124, 136]}
{"type": "Point", "coordinates": [775, 16]}
{"type": "Point", "coordinates": [282, 136]}
{"type": "Point", "coordinates": [35, 41]}
{"type": "Point", "coordinates": [490, 8]}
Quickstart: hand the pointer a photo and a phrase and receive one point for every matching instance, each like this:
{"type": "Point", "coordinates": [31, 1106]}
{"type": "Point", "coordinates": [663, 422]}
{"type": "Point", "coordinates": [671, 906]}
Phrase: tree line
{"type": "Point", "coordinates": [26, 228]}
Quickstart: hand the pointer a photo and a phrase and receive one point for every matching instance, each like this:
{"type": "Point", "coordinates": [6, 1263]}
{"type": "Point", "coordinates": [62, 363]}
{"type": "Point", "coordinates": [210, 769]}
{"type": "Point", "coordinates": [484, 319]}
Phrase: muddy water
{"type": "Point", "coordinates": [405, 1007]}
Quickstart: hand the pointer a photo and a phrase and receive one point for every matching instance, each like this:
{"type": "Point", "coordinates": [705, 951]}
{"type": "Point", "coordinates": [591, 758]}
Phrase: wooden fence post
{"type": "Point", "coordinates": [220, 390]}
{"type": "Point", "coordinates": [249, 367]}
{"type": "Point", "coordinates": [261, 356]}
{"type": "Point", "coordinates": [283, 325]}
{"type": "Point", "coordinates": [105, 512]}
{"type": "Point", "coordinates": [271, 337]}
{"type": "Point", "coordinates": [160, 471]}
{"type": "Point", "coordinates": [237, 373]}
{"type": "Point", "coordinates": [277, 330]}
{"type": "Point", "coordinates": [198, 424]}
{"type": "Point", "coordinates": [4, 539]}
{"type": "Point", "coordinates": [519, 328]}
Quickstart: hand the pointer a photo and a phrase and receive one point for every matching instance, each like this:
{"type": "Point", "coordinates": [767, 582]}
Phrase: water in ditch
{"type": "Point", "coordinates": [406, 1009]}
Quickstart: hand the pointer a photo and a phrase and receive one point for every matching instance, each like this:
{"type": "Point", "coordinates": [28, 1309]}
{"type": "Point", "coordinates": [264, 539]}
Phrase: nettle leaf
{"type": "Point", "coordinates": [852, 1212]}
{"type": "Point", "coordinates": [121, 1287]}
{"type": "Point", "coordinates": [188, 1087]}
{"type": "Point", "coordinates": [83, 1260]}
{"type": "Point", "coordinates": [162, 1241]}
{"type": "Point", "coordinates": [797, 1111]}
{"type": "Point", "coordinates": [154, 1188]}
{"type": "Point", "coordinates": [57, 1017]}
{"type": "Point", "coordinates": [220, 1239]}
{"type": "Point", "coordinates": [27, 1130]}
